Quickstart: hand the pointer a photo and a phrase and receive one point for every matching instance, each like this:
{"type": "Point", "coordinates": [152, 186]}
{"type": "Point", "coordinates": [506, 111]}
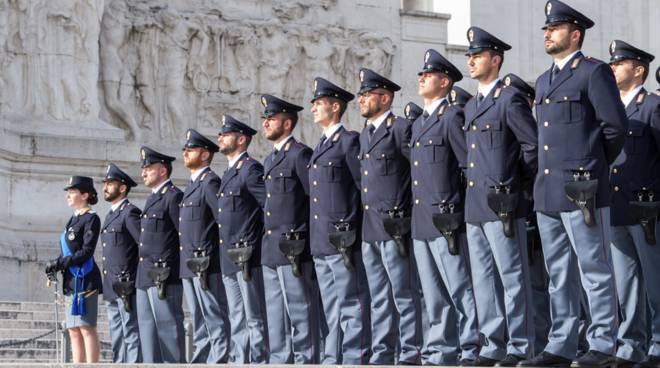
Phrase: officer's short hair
{"type": "Point", "coordinates": [293, 116]}
{"type": "Point", "coordinates": [574, 27]}
{"type": "Point", "coordinates": [248, 139]}
{"type": "Point", "coordinates": [342, 104]}
{"type": "Point", "coordinates": [210, 156]}
{"type": "Point", "coordinates": [128, 189]}
{"type": "Point", "coordinates": [636, 63]}
{"type": "Point", "coordinates": [494, 53]}
{"type": "Point", "coordinates": [168, 168]}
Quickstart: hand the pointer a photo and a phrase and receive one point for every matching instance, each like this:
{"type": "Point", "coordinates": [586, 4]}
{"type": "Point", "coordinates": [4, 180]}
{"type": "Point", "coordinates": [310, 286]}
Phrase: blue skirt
{"type": "Point", "coordinates": [91, 309]}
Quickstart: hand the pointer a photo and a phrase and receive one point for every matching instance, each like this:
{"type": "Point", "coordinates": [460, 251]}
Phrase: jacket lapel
{"type": "Point", "coordinates": [380, 133]}
{"type": "Point", "coordinates": [325, 146]}
{"type": "Point", "coordinates": [153, 199]}
{"type": "Point", "coordinates": [633, 106]}
{"type": "Point", "coordinates": [272, 162]}
{"type": "Point", "coordinates": [487, 102]}
{"type": "Point", "coordinates": [190, 189]}
{"type": "Point", "coordinates": [432, 119]}
{"type": "Point", "coordinates": [563, 75]}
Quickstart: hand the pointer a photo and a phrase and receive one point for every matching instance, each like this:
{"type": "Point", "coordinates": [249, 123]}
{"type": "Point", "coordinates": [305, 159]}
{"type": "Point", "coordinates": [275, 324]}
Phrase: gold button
{"type": "Point", "coordinates": [367, 155]}
{"type": "Point", "coordinates": [103, 258]}
{"type": "Point", "coordinates": [547, 100]}
{"type": "Point", "coordinates": [416, 201]}
{"type": "Point", "coordinates": [616, 188]}
{"type": "Point", "coordinates": [221, 241]}
{"type": "Point", "coordinates": [615, 170]}
{"type": "Point", "coordinates": [180, 248]}
{"type": "Point", "coordinates": [267, 213]}
{"type": "Point", "coordinates": [366, 172]}
{"type": "Point", "coordinates": [545, 123]}
{"type": "Point", "coordinates": [179, 233]}
{"type": "Point", "coordinates": [474, 127]}
{"type": "Point", "coordinates": [471, 183]}
{"type": "Point", "coordinates": [365, 190]}
{"type": "Point", "coordinates": [314, 182]}
{"type": "Point", "coordinates": [474, 146]}
{"type": "Point", "coordinates": [415, 183]}
{"type": "Point", "coordinates": [105, 272]}
{"type": "Point", "coordinates": [546, 147]}
{"type": "Point", "coordinates": [630, 132]}
{"type": "Point", "coordinates": [416, 163]}
{"type": "Point", "coordinates": [269, 232]}
{"type": "Point", "coordinates": [316, 217]}
{"type": "Point", "coordinates": [487, 126]}
{"type": "Point", "coordinates": [268, 195]}
{"type": "Point", "coordinates": [366, 207]}
{"type": "Point", "coordinates": [471, 164]}
{"type": "Point", "coordinates": [315, 199]}
{"type": "Point", "coordinates": [179, 218]}
{"type": "Point", "coordinates": [417, 144]}
{"type": "Point", "coordinates": [219, 226]}
{"type": "Point", "coordinates": [141, 259]}
{"type": "Point", "coordinates": [105, 231]}
{"type": "Point", "coordinates": [546, 171]}
{"type": "Point", "coordinates": [314, 166]}
{"type": "Point", "coordinates": [141, 244]}
{"type": "Point", "coordinates": [104, 244]}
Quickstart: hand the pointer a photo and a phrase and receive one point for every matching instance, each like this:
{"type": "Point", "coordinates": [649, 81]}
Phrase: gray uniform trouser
{"type": "Point", "coordinates": [540, 298]}
{"type": "Point", "coordinates": [500, 274]}
{"type": "Point", "coordinates": [247, 317]}
{"type": "Point", "coordinates": [449, 299]}
{"type": "Point", "coordinates": [162, 336]}
{"type": "Point", "coordinates": [395, 303]}
{"type": "Point", "coordinates": [345, 298]}
{"type": "Point", "coordinates": [292, 309]}
{"type": "Point", "coordinates": [638, 286]}
{"type": "Point", "coordinates": [567, 239]}
{"type": "Point", "coordinates": [208, 309]}
{"type": "Point", "coordinates": [124, 331]}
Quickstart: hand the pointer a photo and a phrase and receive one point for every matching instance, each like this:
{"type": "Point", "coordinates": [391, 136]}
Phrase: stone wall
{"type": "Point", "coordinates": [84, 83]}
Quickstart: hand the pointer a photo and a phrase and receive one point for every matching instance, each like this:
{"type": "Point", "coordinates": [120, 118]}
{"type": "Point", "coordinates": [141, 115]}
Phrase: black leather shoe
{"type": "Point", "coordinates": [651, 361]}
{"type": "Point", "coordinates": [466, 362]}
{"type": "Point", "coordinates": [594, 358]}
{"type": "Point", "coordinates": [485, 362]}
{"type": "Point", "coordinates": [509, 360]}
{"type": "Point", "coordinates": [624, 363]}
{"type": "Point", "coordinates": [545, 359]}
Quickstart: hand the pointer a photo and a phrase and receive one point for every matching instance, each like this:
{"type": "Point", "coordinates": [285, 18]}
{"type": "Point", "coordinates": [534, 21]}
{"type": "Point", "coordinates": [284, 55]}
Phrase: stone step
{"type": "Point", "coordinates": [38, 324]}
{"type": "Point", "coordinates": [40, 354]}
{"type": "Point", "coordinates": [27, 333]}
{"type": "Point", "coordinates": [38, 307]}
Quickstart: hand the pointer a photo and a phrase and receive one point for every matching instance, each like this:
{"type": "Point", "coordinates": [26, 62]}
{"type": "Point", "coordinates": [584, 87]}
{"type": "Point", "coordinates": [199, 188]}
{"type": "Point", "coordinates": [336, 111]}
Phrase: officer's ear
{"type": "Point", "coordinates": [123, 189]}
{"type": "Point", "coordinates": [206, 155]}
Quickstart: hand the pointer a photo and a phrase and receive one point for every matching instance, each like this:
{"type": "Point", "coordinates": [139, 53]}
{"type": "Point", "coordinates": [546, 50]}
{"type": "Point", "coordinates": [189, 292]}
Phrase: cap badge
{"type": "Point", "coordinates": [453, 95]}
{"type": "Point", "coordinates": [361, 75]}
{"type": "Point", "coordinates": [548, 8]}
{"type": "Point", "coordinates": [263, 101]}
{"type": "Point", "coordinates": [613, 47]}
{"type": "Point", "coordinates": [223, 120]}
{"type": "Point", "coordinates": [143, 154]}
{"type": "Point", "coordinates": [471, 35]}
{"type": "Point", "coordinates": [70, 180]}
{"type": "Point", "coordinates": [316, 83]}
{"type": "Point", "coordinates": [188, 135]}
{"type": "Point", "coordinates": [107, 171]}
{"type": "Point", "coordinates": [427, 56]}
{"type": "Point", "coordinates": [507, 81]}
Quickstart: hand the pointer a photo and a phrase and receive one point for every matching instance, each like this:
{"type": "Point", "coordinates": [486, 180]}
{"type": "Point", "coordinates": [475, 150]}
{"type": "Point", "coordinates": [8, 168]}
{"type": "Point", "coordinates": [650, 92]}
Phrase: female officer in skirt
{"type": "Point", "coordinates": [81, 277]}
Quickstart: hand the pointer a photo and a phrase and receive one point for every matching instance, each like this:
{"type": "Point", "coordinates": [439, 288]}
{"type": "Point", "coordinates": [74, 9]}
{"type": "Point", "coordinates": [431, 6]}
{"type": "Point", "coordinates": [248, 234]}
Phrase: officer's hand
{"type": "Point", "coordinates": [52, 266]}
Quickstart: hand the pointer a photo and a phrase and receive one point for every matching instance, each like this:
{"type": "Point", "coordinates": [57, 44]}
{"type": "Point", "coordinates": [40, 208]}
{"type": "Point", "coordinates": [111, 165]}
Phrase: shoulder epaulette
{"type": "Point", "coordinates": [390, 120]}
{"type": "Point", "coordinates": [124, 206]}
{"type": "Point", "coordinates": [239, 165]}
{"type": "Point", "coordinates": [86, 210]}
{"type": "Point", "coordinates": [287, 146]}
{"type": "Point", "coordinates": [165, 189]}
{"type": "Point", "coordinates": [640, 97]}
{"type": "Point", "coordinates": [497, 92]}
{"type": "Point", "coordinates": [204, 175]}
{"type": "Point", "coordinates": [336, 137]}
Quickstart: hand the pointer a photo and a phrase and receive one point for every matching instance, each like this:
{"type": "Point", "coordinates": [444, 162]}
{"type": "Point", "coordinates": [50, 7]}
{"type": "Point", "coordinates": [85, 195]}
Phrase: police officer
{"type": "Point", "coordinates": [412, 111]}
{"type": "Point", "coordinates": [538, 275]}
{"type": "Point", "coordinates": [581, 125]}
{"type": "Point", "coordinates": [437, 155]}
{"type": "Point", "coordinates": [635, 180]}
{"type": "Point", "coordinates": [385, 167]}
{"type": "Point", "coordinates": [336, 219]}
{"type": "Point", "coordinates": [241, 198]}
{"type": "Point", "coordinates": [200, 255]}
{"type": "Point", "coordinates": [291, 292]}
{"type": "Point", "coordinates": [500, 130]}
{"type": "Point", "coordinates": [159, 293]}
{"type": "Point", "coordinates": [120, 235]}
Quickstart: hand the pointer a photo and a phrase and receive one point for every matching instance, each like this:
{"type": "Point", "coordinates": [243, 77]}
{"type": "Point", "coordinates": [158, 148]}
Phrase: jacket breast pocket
{"type": "Point", "coordinates": [385, 163]}
{"type": "Point", "coordinates": [568, 108]}
{"type": "Point", "coordinates": [332, 171]}
{"type": "Point", "coordinates": [435, 149]}
{"type": "Point", "coordinates": [492, 132]}
{"type": "Point", "coordinates": [636, 141]}
{"type": "Point", "coordinates": [191, 208]}
{"type": "Point", "coordinates": [114, 235]}
{"type": "Point", "coordinates": [154, 220]}
{"type": "Point", "coordinates": [282, 180]}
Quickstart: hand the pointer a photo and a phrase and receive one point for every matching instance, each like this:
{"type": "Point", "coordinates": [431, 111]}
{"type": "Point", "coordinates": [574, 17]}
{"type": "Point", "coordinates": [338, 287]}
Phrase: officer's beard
{"type": "Point", "coordinates": [558, 47]}
{"type": "Point", "coordinates": [111, 196]}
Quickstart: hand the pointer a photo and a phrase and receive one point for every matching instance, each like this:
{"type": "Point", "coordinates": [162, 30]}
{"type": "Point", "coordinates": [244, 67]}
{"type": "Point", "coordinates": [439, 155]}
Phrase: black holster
{"type": "Point", "coordinates": [398, 227]}
{"type": "Point", "coordinates": [292, 244]}
{"type": "Point", "coordinates": [124, 287]}
{"type": "Point", "coordinates": [646, 213]}
{"type": "Point", "coordinates": [533, 238]}
{"type": "Point", "coordinates": [198, 264]}
{"type": "Point", "coordinates": [448, 224]}
{"type": "Point", "coordinates": [582, 192]}
{"type": "Point", "coordinates": [504, 204]}
{"type": "Point", "coordinates": [240, 255]}
{"type": "Point", "coordinates": [159, 275]}
{"type": "Point", "coordinates": [343, 239]}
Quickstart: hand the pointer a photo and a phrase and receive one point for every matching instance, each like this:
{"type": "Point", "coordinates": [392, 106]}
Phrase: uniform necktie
{"type": "Point", "coordinates": [371, 129]}
{"type": "Point", "coordinates": [323, 138]}
{"type": "Point", "coordinates": [425, 116]}
{"type": "Point", "coordinates": [555, 71]}
{"type": "Point", "coordinates": [480, 98]}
